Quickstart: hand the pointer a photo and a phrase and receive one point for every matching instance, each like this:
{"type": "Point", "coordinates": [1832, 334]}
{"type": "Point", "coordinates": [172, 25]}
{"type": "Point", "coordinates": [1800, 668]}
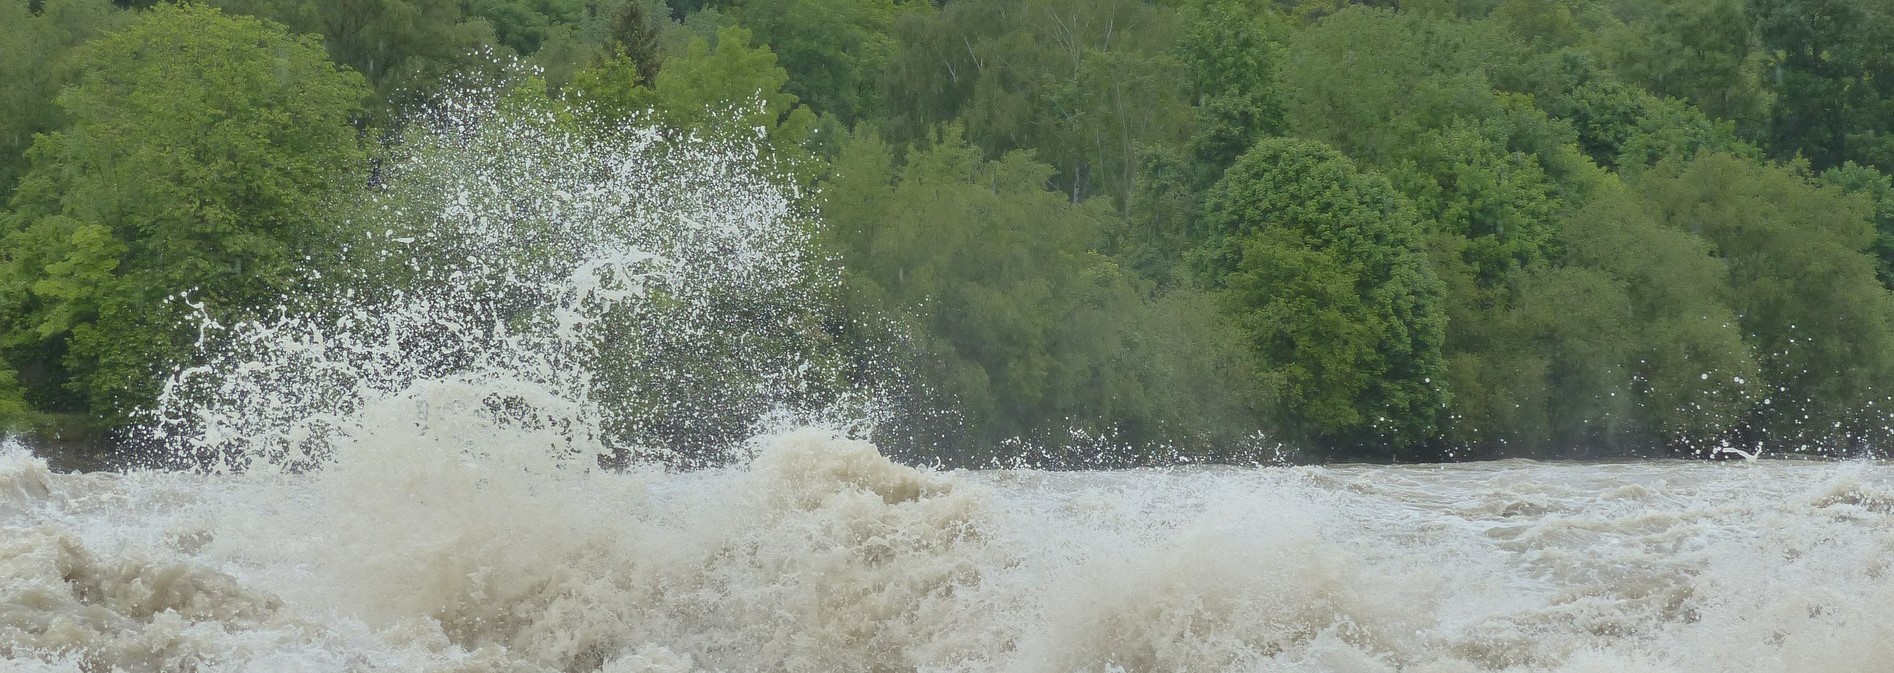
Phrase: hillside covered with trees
{"type": "Point", "coordinates": [1187, 229]}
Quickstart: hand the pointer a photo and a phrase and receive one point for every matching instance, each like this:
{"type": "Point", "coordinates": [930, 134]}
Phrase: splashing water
{"type": "Point", "coordinates": [821, 555]}
{"type": "Point", "coordinates": [404, 477]}
{"type": "Point", "coordinates": [621, 294]}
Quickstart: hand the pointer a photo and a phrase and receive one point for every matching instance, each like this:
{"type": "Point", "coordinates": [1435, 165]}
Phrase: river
{"type": "Point", "coordinates": [818, 554]}
{"type": "Point", "coordinates": [403, 477]}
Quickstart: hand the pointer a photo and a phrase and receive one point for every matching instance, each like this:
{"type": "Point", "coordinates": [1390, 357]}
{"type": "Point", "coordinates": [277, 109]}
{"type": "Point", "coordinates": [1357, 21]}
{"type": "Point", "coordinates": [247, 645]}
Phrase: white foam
{"type": "Point", "coordinates": [821, 555]}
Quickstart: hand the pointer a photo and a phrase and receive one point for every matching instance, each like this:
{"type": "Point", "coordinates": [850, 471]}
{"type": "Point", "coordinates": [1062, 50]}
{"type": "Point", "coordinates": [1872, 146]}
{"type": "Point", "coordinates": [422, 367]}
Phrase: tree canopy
{"type": "Point", "coordinates": [198, 154]}
{"type": "Point", "coordinates": [1323, 266]}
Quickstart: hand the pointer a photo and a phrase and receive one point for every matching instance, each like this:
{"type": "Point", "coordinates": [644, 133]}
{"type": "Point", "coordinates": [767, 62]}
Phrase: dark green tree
{"type": "Point", "coordinates": [634, 37]}
{"type": "Point", "coordinates": [406, 48]}
{"type": "Point", "coordinates": [1165, 218]}
{"type": "Point", "coordinates": [1082, 83]}
{"type": "Point", "coordinates": [1629, 129]}
{"type": "Point", "coordinates": [1323, 266]}
{"type": "Point", "coordinates": [1878, 188]}
{"type": "Point", "coordinates": [1369, 82]}
{"type": "Point", "coordinates": [1833, 79]}
{"type": "Point", "coordinates": [1547, 24]}
{"type": "Point", "coordinates": [1694, 377]}
{"type": "Point", "coordinates": [1802, 288]}
{"type": "Point", "coordinates": [1627, 346]}
{"type": "Point", "coordinates": [524, 25]}
{"type": "Point", "coordinates": [1011, 311]}
{"type": "Point", "coordinates": [1704, 52]}
{"type": "Point", "coordinates": [33, 47]}
{"type": "Point", "coordinates": [834, 50]}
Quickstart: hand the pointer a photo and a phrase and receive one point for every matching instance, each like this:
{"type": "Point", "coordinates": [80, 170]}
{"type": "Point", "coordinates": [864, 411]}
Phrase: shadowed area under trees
{"type": "Point", "coordinates": [1078, 231]}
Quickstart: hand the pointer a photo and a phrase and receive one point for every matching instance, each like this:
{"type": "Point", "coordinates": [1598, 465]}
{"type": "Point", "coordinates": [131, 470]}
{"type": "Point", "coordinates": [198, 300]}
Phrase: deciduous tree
{"type": "Point", "coordinates": [200, 152]}
{"type": "Point", "coordinates": [1803, 291]}
{"type": "Point", "coordinates": [1323, 266]}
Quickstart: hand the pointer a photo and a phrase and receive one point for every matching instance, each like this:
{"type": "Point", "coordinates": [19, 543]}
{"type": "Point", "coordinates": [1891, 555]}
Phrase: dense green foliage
{"type": "Point", "coordinates": [1014, 313]}
{"type": "Point", "coordinates": [198, 152]}
{"type": "Point", "coordinates": [13, 409]}
{"type": "Point", "coordinates": [32, 63]}
{"type": "Point", "coordinates": [1323, 267]}
{"type": "Point", "coordinates": [1192, 229]}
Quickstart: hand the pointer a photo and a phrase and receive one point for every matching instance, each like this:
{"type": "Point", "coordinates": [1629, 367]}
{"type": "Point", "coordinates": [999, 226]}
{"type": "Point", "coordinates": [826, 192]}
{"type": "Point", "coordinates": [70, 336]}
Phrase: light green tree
{"type": "Point", "coordinates": [13, 409]}
{"type": "Point", "coordinates": [1466, 182]}
{"type": "Point", "coordinates": [1232, 70]}
{"type": "Point", "coordinates": [201, 150]}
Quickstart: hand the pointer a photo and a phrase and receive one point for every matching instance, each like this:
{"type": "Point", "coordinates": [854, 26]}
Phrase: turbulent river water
{"type": "Point", "coordinates": [404, 477]}
{"type": "Point", "coordinates": [820, 555]}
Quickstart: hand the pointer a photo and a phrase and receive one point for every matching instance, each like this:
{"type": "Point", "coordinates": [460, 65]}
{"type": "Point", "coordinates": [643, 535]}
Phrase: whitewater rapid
{"type": "Point", "coordinates": [401, 472]}
{"type": "Point", "coordinates": [818, 554]}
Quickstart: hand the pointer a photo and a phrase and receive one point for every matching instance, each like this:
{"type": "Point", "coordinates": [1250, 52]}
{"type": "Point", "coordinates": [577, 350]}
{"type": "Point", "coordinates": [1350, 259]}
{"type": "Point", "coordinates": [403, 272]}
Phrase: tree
{"type": "Point", "coordinates": [834, 50]}
{"type": "Point", "coordinates": [1694, 377]}
{"type": "Point", "coordinates": [1009, 308]}
{"type": "Point", "coordinates": [32, 51]}
{"type": "Point", "coordinates": [1704, 52]}
{"type": "Point", "coordinates": [1546, 23]}
{"type": "Point", "coordinates": [1465, 181]}
{"type": "Point", "coordinates": [1232, 70]}
{"type": "Point", "coordinates": [1834, 79]}
{"type": "Point", "coordinates": [13, 408]}
{"type": "Point", "coordinates": [1369, 81]}
{"type": "Point", "coordinates": [525, 24]}
{"type": "Point", "coordinates": [1629, 344]}
{"type": "Point", "coordinates": [1164, 216]}
{"type": "Point", "coordinates": [1323, 266]}
{"type": "Point", "coordinates": [200, 152]}
{"type": "Point", "coordinates": [1878, 188]}
{"type": "Point", "coordinates": [1082, 83]}
{"type": "Point", "coordinates": [406, 48]}
{"type": "Point", "coordinates": [1629, 129]}
{"type": "Point", "coordinates": [1576, 324]}
{"type": "Point", "coordinates": [1805, 294]}
{"type": "Point", "coordinates": [980, 256]}
{"type": "Point", "coordinates": [731, 88]}
{"type": "Point", "coordinates": [634, 37]}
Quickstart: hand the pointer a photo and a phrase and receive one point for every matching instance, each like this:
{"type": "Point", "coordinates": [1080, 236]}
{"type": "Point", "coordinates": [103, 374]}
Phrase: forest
{"type": "Point", "coordinates": [1095, 231]}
